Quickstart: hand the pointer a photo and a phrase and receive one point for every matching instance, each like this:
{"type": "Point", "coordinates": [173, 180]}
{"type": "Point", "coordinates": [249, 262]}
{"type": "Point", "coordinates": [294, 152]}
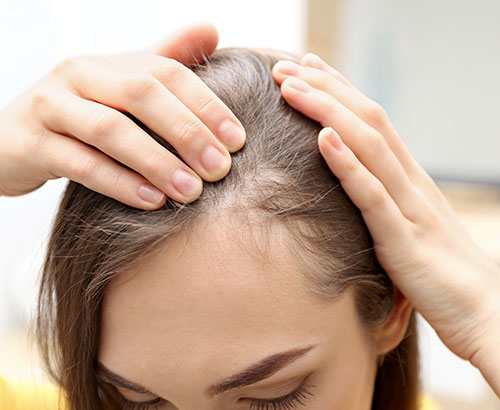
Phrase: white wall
{"type": "Point", "coordinates": [434, 65]}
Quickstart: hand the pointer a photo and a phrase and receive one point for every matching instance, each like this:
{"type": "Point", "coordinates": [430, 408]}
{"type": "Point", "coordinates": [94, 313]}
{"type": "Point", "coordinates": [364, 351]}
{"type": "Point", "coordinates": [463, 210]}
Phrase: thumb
{"type": "Point", "coordinates": [189, 45]}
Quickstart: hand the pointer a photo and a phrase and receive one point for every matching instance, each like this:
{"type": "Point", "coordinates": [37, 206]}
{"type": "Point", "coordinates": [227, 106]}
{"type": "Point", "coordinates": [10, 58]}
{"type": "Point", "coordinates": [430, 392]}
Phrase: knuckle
{"type": "Point", "coordinates": [323, 79]}
{"type": "Point", "coordinates": [187, 131]}
{"type": "Point", "coordinates": [376, 143]}
{"type": "Point", "coordinates": [206, 106]}
{"type": "Point", "coordinates": [352, 166]}
{"type": "Point", "coordinates": [305, 59]}
{"type": "Point", "coordinates": [102, 125]}
{"type": "Point", "coordinates": [38, 146]}
{"type": "Point", "coordinates": [40, 102]}
{"type": "Point", "coordinates": [66, 66]}
{"type": "Point", "coordinates": [154, 165]}
{"type": "Point", "coordinates": [82, 169]}
{"type": "Point", "coordinates": [170, 70]}
{"type": "Point", "coordinates": [119, 181]}
{"type": "Point", "coordinates": [374, 113]}
{"type": "Point", "coordinates": [139, 87]}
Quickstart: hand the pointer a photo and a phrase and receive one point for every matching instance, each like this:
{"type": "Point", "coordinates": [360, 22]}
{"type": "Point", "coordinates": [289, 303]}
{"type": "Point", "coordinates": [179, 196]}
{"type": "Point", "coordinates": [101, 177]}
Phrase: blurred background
{"type": "Point", "coordinates": [432, 64]}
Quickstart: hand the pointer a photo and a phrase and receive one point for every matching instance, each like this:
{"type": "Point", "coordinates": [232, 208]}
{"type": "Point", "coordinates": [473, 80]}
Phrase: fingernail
{"type": "Point", "coordinates": [332, 137]}
{"type": "Point", "coordinates": [298, 84]}
{"type": "Point", "coordinates": [212, 159]}
{"type": "Point", "coordinates": [150, 194]}
{"type": "Point", "coordinates": [230, 134]}
{"type": "Point", "coordinates": [185, 183]}
{"type": "Point", "coordinates": [287, 67]}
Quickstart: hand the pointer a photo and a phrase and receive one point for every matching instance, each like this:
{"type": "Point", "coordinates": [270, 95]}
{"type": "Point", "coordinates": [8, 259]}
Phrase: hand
{"type": "Point", "coordinates": [51, 130]}
{"type": "Point", "coordinates": [417, 237]}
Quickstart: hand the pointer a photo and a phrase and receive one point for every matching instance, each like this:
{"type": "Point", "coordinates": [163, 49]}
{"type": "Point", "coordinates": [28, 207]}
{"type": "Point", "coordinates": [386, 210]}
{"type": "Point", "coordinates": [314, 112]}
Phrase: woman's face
{"type": "Point", "coordinates": [206, 326]}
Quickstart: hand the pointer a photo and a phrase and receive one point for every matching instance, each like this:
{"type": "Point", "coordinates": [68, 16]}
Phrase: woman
{"type": "Point", "coordinates": [231, 295]}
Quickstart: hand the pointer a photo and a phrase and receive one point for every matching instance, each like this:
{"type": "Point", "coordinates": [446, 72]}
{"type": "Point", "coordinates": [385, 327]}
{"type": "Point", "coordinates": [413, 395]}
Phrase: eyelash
{"type": "Point", "coordinates": [148, 405]}
{"type": "Point", "coordinates": [281, 403]}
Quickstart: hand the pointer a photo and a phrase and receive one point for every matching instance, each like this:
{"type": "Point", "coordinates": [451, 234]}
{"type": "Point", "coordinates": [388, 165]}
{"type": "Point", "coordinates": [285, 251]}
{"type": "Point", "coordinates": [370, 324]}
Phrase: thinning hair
{"type": "Point", "coordinates": [279, 177]}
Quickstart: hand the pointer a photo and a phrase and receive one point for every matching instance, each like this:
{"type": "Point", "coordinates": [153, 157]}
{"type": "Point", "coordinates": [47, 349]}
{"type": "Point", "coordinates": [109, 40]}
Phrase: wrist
{"type": "Point", "coordinates": [486, 354]}
{"type": "Point", "coordinates": [487, 361]}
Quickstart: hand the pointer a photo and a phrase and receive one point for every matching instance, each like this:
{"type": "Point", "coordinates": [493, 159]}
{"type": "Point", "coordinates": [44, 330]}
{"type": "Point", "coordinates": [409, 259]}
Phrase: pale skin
{"type": "Point", "coordinates": [48, 132]}
{"type": "Point", "coordinates": [417, 236]}
{"type": "Point", "coordinates": [204, 308]}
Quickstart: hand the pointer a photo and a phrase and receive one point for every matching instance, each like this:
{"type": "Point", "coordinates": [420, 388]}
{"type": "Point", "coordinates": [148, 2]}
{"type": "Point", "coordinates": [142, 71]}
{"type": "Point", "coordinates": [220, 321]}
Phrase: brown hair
{"type": "Point", "coordinates": [279, 173]}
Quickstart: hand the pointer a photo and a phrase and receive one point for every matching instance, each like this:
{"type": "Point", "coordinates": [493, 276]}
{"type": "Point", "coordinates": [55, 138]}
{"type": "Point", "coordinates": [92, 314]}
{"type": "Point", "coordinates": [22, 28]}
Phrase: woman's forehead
{"type": "Point", "coordinates": [211, 288]}
{"type": "Point", "coordinates": [210, 272]}
{"type": "Point", "coordinates": [198, 311]}
{"type": "Point", "coordinates": [216, 253]}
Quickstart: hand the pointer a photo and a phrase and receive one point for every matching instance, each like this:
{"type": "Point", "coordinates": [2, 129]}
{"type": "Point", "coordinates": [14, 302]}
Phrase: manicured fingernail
{"type": "Point", "coordinates": [298, 84]}
{"type": "Point", "coordinates": [185, 183]}
{"type": "Point", "coordinates": [230, 134]}
{"type": "Point", "coordinates": [287, 67]}
{"type": "Point", "coordinates": [150, 194]}
{"type": "Point", "coordinates": [332, 137]}
{"type": "Point", "coordinates": [212, 159]}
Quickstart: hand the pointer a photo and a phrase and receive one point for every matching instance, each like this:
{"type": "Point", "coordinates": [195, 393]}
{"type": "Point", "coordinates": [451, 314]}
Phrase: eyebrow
{"type": "Point", "coordinates": [108, 376]}
{"type": "Point", "coordinates": [259, 371]}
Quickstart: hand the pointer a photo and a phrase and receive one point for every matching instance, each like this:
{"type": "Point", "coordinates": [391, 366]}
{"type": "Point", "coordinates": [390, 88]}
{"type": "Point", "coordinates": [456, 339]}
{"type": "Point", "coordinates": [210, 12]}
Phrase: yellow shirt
{"type": "Point", "coordinates": [29, 396]}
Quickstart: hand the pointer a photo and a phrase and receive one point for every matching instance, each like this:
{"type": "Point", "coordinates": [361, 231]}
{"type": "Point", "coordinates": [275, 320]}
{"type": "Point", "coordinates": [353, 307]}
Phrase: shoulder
{"type": "Point", "coordinates": [29, 395]}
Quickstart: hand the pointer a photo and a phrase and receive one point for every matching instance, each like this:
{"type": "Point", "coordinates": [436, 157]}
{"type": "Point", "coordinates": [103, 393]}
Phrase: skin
{"type": "Point", "coordinates": [205, 308]}
{"type": "Point", "coordinates": [51, 130]}
{"type": "Point", "coordinates": [418, 238]}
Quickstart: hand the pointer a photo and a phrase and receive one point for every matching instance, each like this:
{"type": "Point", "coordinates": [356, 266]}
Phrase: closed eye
{"type": "Point", "coordinates": [287, 401]}
{"type": "Point", "coordinates": [145, 405]}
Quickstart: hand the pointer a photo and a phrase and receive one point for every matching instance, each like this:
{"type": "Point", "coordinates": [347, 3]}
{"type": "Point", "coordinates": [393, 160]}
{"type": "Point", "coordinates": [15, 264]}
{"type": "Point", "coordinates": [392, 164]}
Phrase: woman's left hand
{"type": "Point", "coordinates": [418, 238]}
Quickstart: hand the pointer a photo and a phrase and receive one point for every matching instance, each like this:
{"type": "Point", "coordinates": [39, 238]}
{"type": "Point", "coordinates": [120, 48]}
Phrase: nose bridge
{"type": "Point", "coordinates": [198, 403]}
{"type": "Point", "coordinates": [191, 396]}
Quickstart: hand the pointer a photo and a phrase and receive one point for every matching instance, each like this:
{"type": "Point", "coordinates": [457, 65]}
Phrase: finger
{"type": "Point", "coordinates": [318, 75]}
{"type": "Point", "coordinates": [120, 138]}
{"type": "Point", "coordinates": [183, 83]}
{"type": "Point", "coordinates": [382, 216]}
{"type": "Point", "coordinates": [349, 96]}
{"type": "Point", "coordinates": [66, 157]}
{"type": "Point", "coordinates": [367, 143]}
{"type": "Point", "coordinates": [313, 60]}
{"type": "Point", "coordinates": [148, 100]}
{"type": "Point", "coordinates": [203, 102]}
{"type": "Point", "coordinates": [190, 45]}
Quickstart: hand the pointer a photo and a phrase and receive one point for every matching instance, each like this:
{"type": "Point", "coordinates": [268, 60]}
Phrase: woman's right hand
{"type": "Point", "coordinates": [51, 130]}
